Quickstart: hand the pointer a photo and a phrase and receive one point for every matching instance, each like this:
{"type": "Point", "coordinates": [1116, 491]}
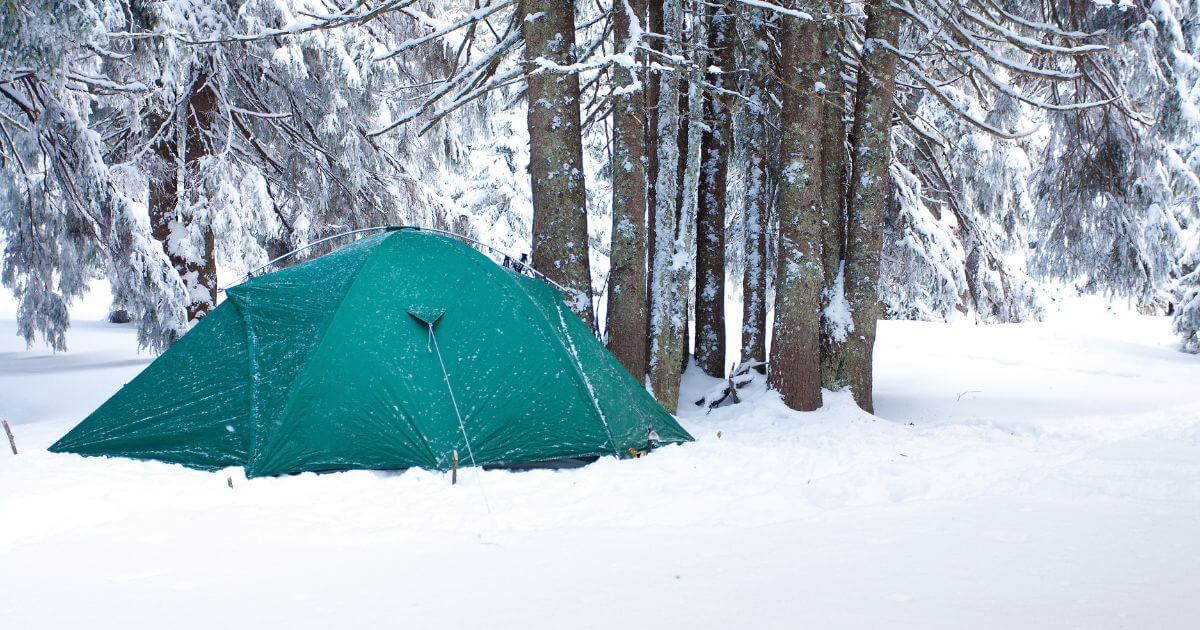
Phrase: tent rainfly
{"type": "Point", "coordinates": [388, 353]}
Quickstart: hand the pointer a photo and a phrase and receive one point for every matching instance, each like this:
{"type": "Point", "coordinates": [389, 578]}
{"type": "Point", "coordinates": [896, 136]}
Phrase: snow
{"type": "Point", "coordinates": [1038, 475]}
{"type": "Point", "coordinates": [777, 8]}
{"type": "Point", "coordinates": [837, 316]}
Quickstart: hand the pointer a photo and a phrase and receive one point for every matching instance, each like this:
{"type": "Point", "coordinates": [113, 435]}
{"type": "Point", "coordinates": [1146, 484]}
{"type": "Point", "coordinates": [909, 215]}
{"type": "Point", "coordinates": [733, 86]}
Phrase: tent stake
{"type": "Point", "coordinates": [11, 441]}
{"type": "Point", "coordinates": [454, 467]}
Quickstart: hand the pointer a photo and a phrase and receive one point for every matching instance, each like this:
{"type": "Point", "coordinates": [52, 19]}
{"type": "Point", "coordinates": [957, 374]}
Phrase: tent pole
{"type": "Point", "coordinates": [252, 272]}
{"type": "Point", "coordinates": [377, 228]}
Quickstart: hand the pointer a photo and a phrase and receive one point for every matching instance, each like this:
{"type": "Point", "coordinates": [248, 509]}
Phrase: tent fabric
{"type": "Point", "coordinates": [332, 365]}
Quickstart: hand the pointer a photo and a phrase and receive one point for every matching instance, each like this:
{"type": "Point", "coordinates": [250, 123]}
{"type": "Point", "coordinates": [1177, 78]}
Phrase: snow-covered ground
{"type": "Point", "coordinates": [1018, 476]}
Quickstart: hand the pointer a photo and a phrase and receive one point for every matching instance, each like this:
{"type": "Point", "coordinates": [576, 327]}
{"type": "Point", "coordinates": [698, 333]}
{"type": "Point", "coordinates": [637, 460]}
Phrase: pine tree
{"type": "Point", "coordinates": [684, 189]}
{"type": "Point", "coordinates": [560, 237]}
{"type": "Point", "coordinates": [870, 187]}
{"type": "Point", "coordinates": [711, 199]}
{"type": "Point", "coordinates": [669, 250]}
{"type": "Point", "coordinates": [1119, 224]}
{"type": "Point", "coordinates": [180, 148]}
{"type": "Point", "coordinates": [115, 165]}
{"type": "Point", "coordinates": [760, 118]}
{"type": "Point", "coordinates": [831, 94]}
{"type": "Point", "coordinates": [689, 140]}
{"type": "Point", "coordinates": [66, 216]}
{"type": "Point", "coordinates": [795, 347]}
{"type": "Point", "coordinates": [1187, 313]}
{"type": "Point", "coordinates": [627, 308]}
{"type": "Point", "coordinates": [652, 97]}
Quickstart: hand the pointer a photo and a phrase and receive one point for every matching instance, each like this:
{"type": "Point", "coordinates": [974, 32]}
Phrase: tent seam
{"type": "Point", "coordinates": [251, 370]}
{"type": "Point", "coordinates": [580, 378]}
{"type": "Point", "coordinates": [320, 337]}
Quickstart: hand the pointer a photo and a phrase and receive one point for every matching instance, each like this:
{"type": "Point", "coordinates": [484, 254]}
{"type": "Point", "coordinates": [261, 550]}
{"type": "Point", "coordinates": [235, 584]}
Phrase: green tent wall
{"type": "Point", "coordinates": [331, 365]}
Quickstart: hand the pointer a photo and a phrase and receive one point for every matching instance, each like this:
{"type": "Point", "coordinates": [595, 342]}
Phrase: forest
{"type": "Point", "coordinates": [549, 314]}
{"type": "Point", "coordinates": [749, 185]}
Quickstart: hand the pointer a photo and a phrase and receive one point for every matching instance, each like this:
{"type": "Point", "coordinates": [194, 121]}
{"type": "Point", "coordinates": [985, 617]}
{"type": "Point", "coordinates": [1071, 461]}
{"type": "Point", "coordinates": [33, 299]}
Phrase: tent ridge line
{"type": "Point", "coordinates": [395, 228]}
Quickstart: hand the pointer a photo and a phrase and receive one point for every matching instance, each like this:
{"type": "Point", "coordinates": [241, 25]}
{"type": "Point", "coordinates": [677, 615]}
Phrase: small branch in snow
{"type": "Point", "coordinates": [740, 377]}
{"type": "Point", "coordinates": [969, 391]}
{"type": "Point", "coordinates": [12, 442]}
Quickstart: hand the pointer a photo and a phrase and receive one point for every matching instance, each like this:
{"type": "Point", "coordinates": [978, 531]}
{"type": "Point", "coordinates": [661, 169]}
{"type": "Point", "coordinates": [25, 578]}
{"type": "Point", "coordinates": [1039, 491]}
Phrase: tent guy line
{"type": "Point", "coordinates": [458, 414]}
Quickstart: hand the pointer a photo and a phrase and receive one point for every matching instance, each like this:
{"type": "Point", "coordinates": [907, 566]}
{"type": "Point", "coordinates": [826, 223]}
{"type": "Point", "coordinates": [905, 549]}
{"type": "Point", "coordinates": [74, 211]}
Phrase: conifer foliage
{"type": "Point", "coordinates": [814, 164]}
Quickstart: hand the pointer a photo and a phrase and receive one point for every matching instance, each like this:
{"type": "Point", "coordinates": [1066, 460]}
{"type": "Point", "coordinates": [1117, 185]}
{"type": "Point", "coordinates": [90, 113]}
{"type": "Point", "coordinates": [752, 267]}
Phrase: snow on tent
{"type": "Point", "coordinates": [388, 353]}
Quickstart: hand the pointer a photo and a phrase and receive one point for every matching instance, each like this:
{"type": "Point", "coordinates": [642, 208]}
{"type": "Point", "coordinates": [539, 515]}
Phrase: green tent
{"type": "Point", "coordinates": [388, 353]}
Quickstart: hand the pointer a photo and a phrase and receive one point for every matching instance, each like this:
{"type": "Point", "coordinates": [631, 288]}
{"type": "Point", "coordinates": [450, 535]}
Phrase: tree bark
{"type": "Point", "coordinates": [669, 274]}
{"type": "Point", "coordinates": [653, 79]}
{"type": "Point", "coordinates": [833, 202]}
{"type": "Point", "coordinates": [560, 235]}
{"type": "Point", "coordinates": [870, 187]}
{"type": "Point", "coordinates": [760, 93]}
{"type": "Point", "coordinates": [710, 205]}
{"type": "Point", "coordinates": [795, 347]}
{"type": "Point", "coordinates": [627, 307]}
{"type": "Point", "coordinates": [171, 216]}
{"type": "Point", "coordinates": [683, 143]}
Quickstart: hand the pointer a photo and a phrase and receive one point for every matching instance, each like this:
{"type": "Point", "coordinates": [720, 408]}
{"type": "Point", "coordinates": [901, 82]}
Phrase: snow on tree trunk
{"type": "Point", "coordinates": [560, 236]}
{"type": "Point", "coordinates": [691, 105]}
{"type": "Point", "coordinates": [683, 201]}
{"type": "Point", "coordinates": [795, 348]}
{"type": "Point", "coordinates": [710, 210]}
{"type": "Point", "coordinates": [870, 186]}
{"type": "Point", "coordinates": [761, 85]}
{"type": "Point", "coordinates": [754, 278]}
{"type": "Point", "coordinates": [653, 80]}
{"type": "Point", "coordinates": [833, 205]}
{"type": "Point", "coordinates": [669, 251]}
{"type": "Point", "coordinates": [627, 308]}
{"type": "Point", "coordinates": [187, 239]}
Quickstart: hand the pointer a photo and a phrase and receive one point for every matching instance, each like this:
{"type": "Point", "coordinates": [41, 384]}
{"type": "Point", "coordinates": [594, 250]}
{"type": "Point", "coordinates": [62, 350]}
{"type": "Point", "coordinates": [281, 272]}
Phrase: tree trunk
{"type": "Point", "coordinates": [682, 136]}
{"type": "Point", "coordinates": [760, 93]}
{"type": "Point", "coordinates": [682, 142]}
{"type": "Point", "coordinates": [833, 206]}
{"type": "Point", "coordinates": [710, 208]}
{"type": "Point", "coordinates": [754, 278]}
{"type": "Point", "coordinates": [171, 218]}
{"type": "Point", "coordinates": [627, 308]}
{"type": "Point", "coordinates": [653, 89]}
{"type": "Point", "coordinates": [669, 275]}
{"type": "Point", "coordinates": [560, 236]}
{"type": "Point", "coordinates": [870, 187]}
{"type": "Point", "coordinates": [795, 347]}
{"type": "Point", "coordinates": [653, 79]}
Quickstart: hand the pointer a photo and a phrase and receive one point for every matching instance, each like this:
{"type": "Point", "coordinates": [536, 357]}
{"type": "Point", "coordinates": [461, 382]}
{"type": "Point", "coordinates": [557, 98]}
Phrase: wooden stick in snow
{"type": "Point", "coordinates": [454, 467]}
{"type": "Point", "coordinates": [12, 442]}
